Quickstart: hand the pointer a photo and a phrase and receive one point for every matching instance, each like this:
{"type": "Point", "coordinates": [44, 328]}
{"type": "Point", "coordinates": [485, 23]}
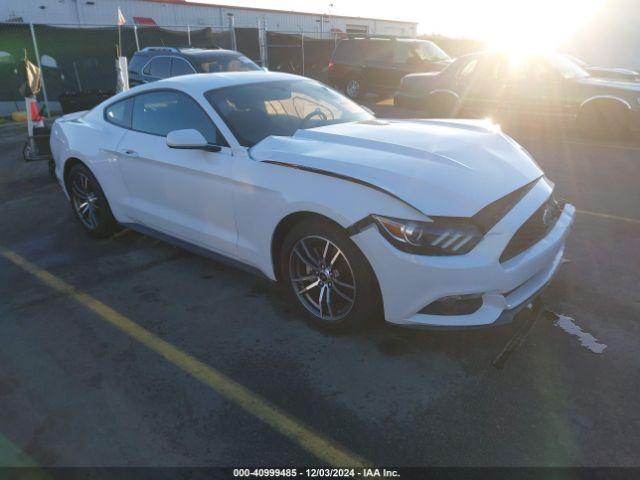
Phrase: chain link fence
{"type": "Point", "coordinates": [82, 58]}
{"type": "Point", "coordinates": [302, 53]}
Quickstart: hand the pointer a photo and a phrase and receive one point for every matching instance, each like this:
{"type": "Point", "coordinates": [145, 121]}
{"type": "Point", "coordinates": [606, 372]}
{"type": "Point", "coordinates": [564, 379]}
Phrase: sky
{"type": "Point", "coordinates": [495, 21]}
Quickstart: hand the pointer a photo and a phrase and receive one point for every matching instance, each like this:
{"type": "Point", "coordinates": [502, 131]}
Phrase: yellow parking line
{"type": "Point", "coordinates": [313, 442]}
{"type": "Point", "coordinates": [610, 217]}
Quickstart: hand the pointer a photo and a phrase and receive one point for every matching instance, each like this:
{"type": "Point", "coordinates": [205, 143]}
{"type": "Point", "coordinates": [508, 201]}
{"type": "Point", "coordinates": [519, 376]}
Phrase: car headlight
{"type": "Point", "coordinates": [442, 236]}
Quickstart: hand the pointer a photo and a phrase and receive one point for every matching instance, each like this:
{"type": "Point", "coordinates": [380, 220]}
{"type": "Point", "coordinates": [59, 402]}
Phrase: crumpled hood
{"type": "Point", "coordinates": [440, 167]}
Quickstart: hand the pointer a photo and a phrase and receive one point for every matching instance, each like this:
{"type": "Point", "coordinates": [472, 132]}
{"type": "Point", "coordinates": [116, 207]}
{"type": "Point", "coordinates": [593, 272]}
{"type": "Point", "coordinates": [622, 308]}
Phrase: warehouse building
{"type": "Point", "coordinates": [182, 13]}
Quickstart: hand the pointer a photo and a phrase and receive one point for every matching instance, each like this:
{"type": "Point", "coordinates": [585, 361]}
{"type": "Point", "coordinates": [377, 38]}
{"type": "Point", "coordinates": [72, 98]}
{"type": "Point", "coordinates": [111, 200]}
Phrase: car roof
{"type": "Point", "coordinates": [201, 52]}
{"type": "Point", "coordinates": [185, 51]}
{"type": "Point", "coordinates": [199, 83]}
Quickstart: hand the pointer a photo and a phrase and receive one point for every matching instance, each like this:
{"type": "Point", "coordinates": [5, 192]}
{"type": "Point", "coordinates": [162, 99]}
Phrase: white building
{"type": "Point", "coordinates": [182, 13]}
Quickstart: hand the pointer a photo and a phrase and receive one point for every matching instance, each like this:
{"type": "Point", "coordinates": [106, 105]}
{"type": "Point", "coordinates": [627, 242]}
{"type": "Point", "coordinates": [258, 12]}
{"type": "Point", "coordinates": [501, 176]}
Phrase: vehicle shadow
{"type": "Point", "coordinates": [395, 341]}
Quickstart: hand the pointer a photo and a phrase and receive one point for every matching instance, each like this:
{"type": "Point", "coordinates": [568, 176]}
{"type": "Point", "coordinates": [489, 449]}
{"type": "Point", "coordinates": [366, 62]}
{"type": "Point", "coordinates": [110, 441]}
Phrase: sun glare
{"type": "Point", "coordinates": [521, 28]}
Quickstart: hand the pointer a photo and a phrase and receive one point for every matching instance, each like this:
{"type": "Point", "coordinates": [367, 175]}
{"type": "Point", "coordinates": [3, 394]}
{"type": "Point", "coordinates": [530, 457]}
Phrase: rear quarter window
{"type": "Point", "coordinates": [119, 113]}
{"type": "Point", "coordinates": [137, 62]}
{"type": "Point", "coordinates": [159, 67]}
{"type": "Point", "coordinates": [349, 51]}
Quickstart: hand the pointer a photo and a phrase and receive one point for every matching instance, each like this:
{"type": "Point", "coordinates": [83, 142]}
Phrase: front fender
{"type": "Point", "coordinates": [269, 193]}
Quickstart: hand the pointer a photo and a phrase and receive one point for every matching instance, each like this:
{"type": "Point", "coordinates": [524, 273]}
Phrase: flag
{"type": "Point", "coordinates": [121, 19]}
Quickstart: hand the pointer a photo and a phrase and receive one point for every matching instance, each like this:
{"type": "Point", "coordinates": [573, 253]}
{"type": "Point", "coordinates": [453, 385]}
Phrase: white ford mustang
{"type": "Point", "coordinates": [431, 222]}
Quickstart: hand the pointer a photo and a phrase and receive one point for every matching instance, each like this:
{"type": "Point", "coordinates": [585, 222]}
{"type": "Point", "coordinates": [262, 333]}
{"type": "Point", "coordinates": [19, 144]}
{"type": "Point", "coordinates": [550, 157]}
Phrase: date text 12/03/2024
{"type": "Point", "coordinates": [316, 472]}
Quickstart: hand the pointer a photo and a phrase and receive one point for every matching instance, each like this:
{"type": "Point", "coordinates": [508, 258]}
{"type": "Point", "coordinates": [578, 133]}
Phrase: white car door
{"type": "Point", "coordinates": [186, 194]}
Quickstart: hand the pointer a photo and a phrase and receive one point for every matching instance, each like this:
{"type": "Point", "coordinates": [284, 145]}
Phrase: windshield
{"type": "Point", "coordinates": [566, 67]}
{"type": "Point", "coordinates": [429, 51]}
{"type": "Point", "coordinates": [226, 63]}
{"type": "Point", "coordinates": [258, 110]}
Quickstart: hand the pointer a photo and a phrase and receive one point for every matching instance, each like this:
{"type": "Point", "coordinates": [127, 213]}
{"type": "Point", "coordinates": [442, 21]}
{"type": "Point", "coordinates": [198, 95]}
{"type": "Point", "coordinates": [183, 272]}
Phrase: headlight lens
{"type": "Point", "coordinates": [442, 236]}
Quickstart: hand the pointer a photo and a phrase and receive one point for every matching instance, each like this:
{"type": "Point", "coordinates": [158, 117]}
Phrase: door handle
{"type": "Point", "coordinates": [130, 153]}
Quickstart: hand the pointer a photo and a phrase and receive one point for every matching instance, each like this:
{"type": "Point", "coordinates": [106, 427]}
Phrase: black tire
{"type": "Point", "coordinates": [354, 87]}
{"type": "Point", "coordinates": [87, 195]}
{"type": "Point", "coordinates": [350, 267]}
{"type": "Point", "coordinates": [604, 120]}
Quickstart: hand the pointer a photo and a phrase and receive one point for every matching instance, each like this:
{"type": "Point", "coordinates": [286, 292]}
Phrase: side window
{"type": "Point", "coordinates": [349, 52]}
{"type": "Point", "coordinates": [180, 67]}
{"type": "Point", "coordinates": [401, 53]}
{"type": "Point", "coordinates": [466, 72]}
{"type": "Point", "coordinates": [159, 113]}
{"type": "Point", "coordinates": [159, 67]}
{"type": "Point", "coordinates": [137, 62]}
{"type": "Point", "coordinates": [379, 51]}
{"type": "Point", "coordinates": [119, 113]}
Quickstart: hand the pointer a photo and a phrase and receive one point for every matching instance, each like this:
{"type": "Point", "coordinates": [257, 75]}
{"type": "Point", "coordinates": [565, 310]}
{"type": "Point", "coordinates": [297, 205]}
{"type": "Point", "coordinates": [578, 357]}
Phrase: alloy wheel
{"type": "Point", "coordinates": [322, 278]}
{"type": "Point", "coordinates": [85, 200]}
{"type": "Point", "coordinates": [353, 88]}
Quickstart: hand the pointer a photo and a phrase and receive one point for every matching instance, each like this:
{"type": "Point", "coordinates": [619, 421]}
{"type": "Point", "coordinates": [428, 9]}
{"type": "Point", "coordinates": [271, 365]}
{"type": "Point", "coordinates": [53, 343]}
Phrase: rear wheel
{"type": "Point", "coordinates": [89, 203]}
{"type": "Point", "coordinates": [327, 275]}
{"type": "Point", "coordinates": [354, 87]}
{"type": "Point", "coordinates": [442, 105]}
{"type": "Point", "coordinates": [603, 119]}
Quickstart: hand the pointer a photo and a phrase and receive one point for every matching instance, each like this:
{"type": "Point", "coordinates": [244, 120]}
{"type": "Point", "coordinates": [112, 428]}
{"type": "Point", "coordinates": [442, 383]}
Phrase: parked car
{"type": "Point", "coordinates": [430, 222]}
{"type": "Point", "coordinates": [376, 65]}
{"type": "Point", "coordinates": [155, 63]}
{"type": "Point", "coordinates": [603, 72]}
{"type": "Point", "coordinates": [534, 88]}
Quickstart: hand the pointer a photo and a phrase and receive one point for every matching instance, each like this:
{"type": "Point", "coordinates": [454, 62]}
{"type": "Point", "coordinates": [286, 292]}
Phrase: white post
{"type": "Point", "coordinates": [135, 33]}
{"type": "Point", "coordinates": [122, 69]}
{"type": "Point", "coordinates": [189, 34]}
{"type": "Point", "coordinates": [44, 88]}
{"type": "Point", "coordinates": [262, 41]}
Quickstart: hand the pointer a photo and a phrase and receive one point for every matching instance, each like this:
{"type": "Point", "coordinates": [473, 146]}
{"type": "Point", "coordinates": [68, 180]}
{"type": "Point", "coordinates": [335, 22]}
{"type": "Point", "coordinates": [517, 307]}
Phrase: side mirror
{"type": "Point", "coordinates": [265, 69]}
{"type": "Point", "coordinates": [189, 139]}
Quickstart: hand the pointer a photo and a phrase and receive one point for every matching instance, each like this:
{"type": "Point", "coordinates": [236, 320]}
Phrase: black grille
{"type": "Point", "coordinates": [534, 229]}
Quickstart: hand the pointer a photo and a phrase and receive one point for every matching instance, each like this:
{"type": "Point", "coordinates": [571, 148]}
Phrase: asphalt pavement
{"type": "Point", "coordinates": [131, 352]}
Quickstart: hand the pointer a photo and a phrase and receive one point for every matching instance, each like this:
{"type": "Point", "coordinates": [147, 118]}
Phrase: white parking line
{"type": "Point", "coordinates": [586, 339]}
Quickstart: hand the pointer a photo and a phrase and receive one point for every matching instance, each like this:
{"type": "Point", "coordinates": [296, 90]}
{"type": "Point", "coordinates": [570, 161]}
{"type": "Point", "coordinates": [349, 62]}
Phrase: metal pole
{"type": "Point", "coordinates": [44, 88]}
{"type": "Point", "coordinates": [189, 34]}
{"type": "Point", "coordinates": [75, 69]}
{"type": "Point", "coordinates": [232, 31]}
{"type": "Point", "coordinates": [266, 42]}
{"type": "Point", "coordinates": [135, 33]}
{"type": "Point", "coordinates": [302, 40]}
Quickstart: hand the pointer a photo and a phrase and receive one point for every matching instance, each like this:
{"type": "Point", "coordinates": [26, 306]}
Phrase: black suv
{"type": "Point", "coordinates": [154, 63]}
{"type": "Point", "coordinates": [377, 64]}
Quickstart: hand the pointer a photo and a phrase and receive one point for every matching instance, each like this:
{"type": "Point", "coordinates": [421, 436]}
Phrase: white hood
{"type": "Point", "coordinates": [441, 167]}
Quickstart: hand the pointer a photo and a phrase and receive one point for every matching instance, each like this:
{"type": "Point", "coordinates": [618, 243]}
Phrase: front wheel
{"type": "Point", "coordinates": [603, 120]}
{"type": "Point", "coordinates": [442, 105]}
{"type": "Point", "coordinates": [89, 203]}
{"type": "Point", "coordinates": [327, 275]}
